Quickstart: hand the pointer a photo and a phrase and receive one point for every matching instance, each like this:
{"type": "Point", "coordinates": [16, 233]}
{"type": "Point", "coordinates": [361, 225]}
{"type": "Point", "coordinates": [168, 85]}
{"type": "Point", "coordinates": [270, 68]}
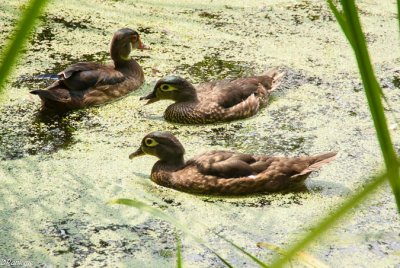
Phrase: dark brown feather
{"type": "Point", "coordinates": [216, 101]}
{"type": "Point", "coordinates": [225, 172]}
{"type": "Point", "coordinates": [89, 83]}
{"type": "Point", "coordinates": [232, 92]}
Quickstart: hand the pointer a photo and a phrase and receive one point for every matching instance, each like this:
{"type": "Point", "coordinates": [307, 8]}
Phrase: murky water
{"type": "Point", "coordinates": [58, 172]}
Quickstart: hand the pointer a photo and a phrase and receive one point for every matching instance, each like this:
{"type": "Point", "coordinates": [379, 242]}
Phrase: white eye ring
{"type": "Point", "coordinates": [150, 142]}
{"type": "Point", "coordinates": [166, 87]}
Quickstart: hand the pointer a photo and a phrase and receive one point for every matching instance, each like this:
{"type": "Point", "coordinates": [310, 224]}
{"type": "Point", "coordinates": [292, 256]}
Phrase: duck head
{"type": "Point", "coordinates": [124, 40]}
{"type": "Point", "coordinates": [173, 88]}
{"type": "Point", "coordinates": [163, 145]}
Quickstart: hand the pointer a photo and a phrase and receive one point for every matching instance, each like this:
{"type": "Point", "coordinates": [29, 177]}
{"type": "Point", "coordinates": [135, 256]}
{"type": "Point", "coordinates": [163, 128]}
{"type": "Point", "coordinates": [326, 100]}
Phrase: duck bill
{"type": "Point", "coordinates": [139, 44]}
{"type": "Point", "coordinates": [138, 152]}
{"type": "Point", "coordinates": [150, 98]}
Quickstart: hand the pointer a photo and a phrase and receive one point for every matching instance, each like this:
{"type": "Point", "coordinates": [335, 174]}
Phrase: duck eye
{"type": "Point", "coordinates": [134, 38]}
{"type": "Point", "coordinates": [167, 87]}
{"type": "Point", "coordinates": [150, 142]}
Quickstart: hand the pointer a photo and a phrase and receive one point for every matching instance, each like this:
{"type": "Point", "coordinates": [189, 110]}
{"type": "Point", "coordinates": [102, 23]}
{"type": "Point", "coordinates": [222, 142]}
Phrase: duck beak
{"type": "Point", "coordinates": [139, 44]}
{"type": "Point", "coordinates": [151, 98]}
{"type": "Point", "coordinates": [138, 152]}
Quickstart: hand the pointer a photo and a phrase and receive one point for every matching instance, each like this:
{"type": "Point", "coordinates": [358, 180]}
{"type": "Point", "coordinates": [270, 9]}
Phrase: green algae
{"type": "Point", "coordinates": [57, 175]}
{"type": "Point", "coordinates": [211, 67]}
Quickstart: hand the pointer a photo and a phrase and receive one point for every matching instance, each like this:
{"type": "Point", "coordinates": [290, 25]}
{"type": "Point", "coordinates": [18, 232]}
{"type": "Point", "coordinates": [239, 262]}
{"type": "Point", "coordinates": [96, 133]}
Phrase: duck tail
{"type": "Point", "coordinates": [56, 92]}
{"type": "Point", "coordinates": [48, 95]}
{"type": "Point", "coordinates": [276, 77]}
{"type": "Point", "coordinates": [43, 94]}
{"type": "Point", "coordinates": [53, 100]}
{"type": "Point", "coordinates": [316, 162]}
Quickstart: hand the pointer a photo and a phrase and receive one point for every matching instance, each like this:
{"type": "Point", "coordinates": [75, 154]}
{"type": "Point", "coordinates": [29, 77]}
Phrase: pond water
{"type": "Point", "coordinates": [58, 172]}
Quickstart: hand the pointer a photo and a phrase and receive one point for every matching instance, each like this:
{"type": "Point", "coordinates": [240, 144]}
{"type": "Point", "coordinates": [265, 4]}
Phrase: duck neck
{"type": "Point", "coordinates": [169, 164]}
{"type": "Point", "coordinates": [187, 95]}
{"type": "Point", "coordinates": [162, 169]}
{"type": "Point", "coordinates": [173, 163]}
{"type": "Point", "coordinates": [120, 55]}
{"type": "Point", "coordinates": [129, 67]}
{"type": "Point", "coordinates": [122, 64]}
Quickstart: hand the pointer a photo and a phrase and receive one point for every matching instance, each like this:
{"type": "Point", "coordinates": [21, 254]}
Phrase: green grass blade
{"type": "Point", "coordinates": [330, 220]}
{"type": "Point", "coordinates": [255, 259]}
{"type": "Point", "coordinates": [373, 92]}
{"type": "Point", "coordinates": [398, 12]}
{"type": "Point", "coordinates": [306, 259]}
{"type": "Point", "coordinates": [345, 27]}
{"type": "Point", "coordinates": [161, 215]}
{"type": "Point", "coordinates": [178, 252]}
{"type": "Point", "coordinates": [342, 21]}
{"type": "Point", "coordinates": [14, 46]}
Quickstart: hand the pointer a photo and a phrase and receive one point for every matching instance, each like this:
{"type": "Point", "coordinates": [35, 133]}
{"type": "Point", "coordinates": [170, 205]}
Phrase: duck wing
{"type": "Point", "coordinates": [238, 91]}
{"type": "Point", "coordinates": [296, 169]}
{"type": "Point", "coordinates": [224, 164]}
{"type": "Point", "coordinates": [79, 67]}
{"type": "Point", "coordinates": [86, 83]}
{"type": "Point", "coordinates": [228, 93]}
{"type": "Point", "coordinates": [84, 75]}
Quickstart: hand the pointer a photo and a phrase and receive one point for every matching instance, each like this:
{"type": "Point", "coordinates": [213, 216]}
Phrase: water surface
{"type": "Point", "coordinates": [58, 173]}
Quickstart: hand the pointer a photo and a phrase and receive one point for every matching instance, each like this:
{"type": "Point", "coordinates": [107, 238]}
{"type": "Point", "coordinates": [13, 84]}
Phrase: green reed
{"type": "Point", "coordinates": [178, 252]}
{"type": "Point", "coordinates": [13, 47]}
{"type": "Point", "coordinates": [398, 12]}
{"type": "Point", "coordinates": [349, 21]}
{"type": "Point", "coordinates": [328, 222]}
{"type": "Point", "coordinates": [169, 218]}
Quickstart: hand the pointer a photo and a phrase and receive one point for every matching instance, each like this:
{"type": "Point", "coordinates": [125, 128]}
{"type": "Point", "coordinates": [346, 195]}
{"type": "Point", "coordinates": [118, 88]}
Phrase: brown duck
{"type": "Point", "coordinates": [224, 172]}
{"type": "Point", "coordinates": [217, 101]}
{"type": "Point", "coordinates": [89, 83]}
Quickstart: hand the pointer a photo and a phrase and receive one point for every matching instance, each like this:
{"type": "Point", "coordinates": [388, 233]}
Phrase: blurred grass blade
{"type": "Point", "coordinates": [398, 12]}
{"type": "Point", "coordinates": [255, 259]}
{"type": "Point", "coordinates": [178, 252]}
{"type": "Point", "coordinates": [304, 257]}
{"type": "Point", "coordinates": [342, 21]}
{"type": "Point", "coordinates": [14, 46]}
{"type": "Point", "coordinates": [161, 215]}
{"type": "Point", "coordinates": [345, 27]}
{"type": "Point", "coordinates": [330, 220]}
{"type": "Point", "coordinates": [373, 92]}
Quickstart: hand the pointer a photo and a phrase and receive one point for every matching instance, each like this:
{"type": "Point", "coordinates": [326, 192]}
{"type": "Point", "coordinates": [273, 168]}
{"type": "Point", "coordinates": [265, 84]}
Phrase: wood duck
{"type": "Point", "coordinates": [224, 172]}
{"type": "Point", "coordinates": [89, 83]}
{"type": "Point", "coordinates": [217, 101]}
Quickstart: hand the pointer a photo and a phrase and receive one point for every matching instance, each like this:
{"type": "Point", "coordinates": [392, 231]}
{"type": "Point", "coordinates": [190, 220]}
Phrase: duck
{"type": "Point", "coordinates": [222, 172]}
{"type": "Point", "coordinates": [216, 101]}
{"type": "Point", "coordinates": [86, 84]}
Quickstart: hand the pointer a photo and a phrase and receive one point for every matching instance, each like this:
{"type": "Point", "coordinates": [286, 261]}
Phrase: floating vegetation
{"type": "Point", "coordinates": [24, 133]}
{"type": "Point", "coordinates": [62, 170]}
{"type": "Point", "coordinates": [86, 241]}
{"type": "Point", "coordinates": [311, 10]}
{"type": "Point", "coordinates": [214, 68]}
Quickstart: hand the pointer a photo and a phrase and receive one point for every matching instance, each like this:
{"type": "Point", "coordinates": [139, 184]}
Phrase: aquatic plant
{"type": "Point", "coordinates": [13, 48]}
{"type": "Point", "coordinates": [349, 21]}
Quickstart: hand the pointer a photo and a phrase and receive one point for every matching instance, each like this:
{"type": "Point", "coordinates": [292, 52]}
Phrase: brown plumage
{"type": "Point", "coordinates": [217, 101]}
{"type": "Point", "coordinates": [224, 172]}
{"type": "Point", "coordinates": [89, 83]}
